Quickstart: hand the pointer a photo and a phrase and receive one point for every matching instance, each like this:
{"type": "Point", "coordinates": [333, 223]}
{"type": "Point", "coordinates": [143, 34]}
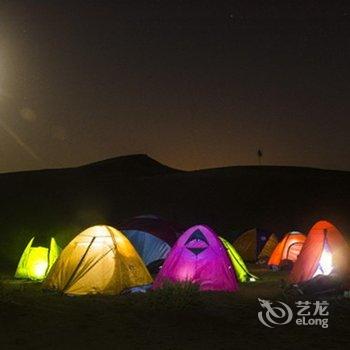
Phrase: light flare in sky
{"type": "Point", "coordinates": [20, 142]}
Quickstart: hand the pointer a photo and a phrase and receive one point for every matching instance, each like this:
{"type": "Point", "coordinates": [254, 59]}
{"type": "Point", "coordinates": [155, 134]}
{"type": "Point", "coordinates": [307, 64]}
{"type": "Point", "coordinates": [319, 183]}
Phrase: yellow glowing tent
{"type": "Point", "coordinates": [255, 244]}
{"type": "Point", "coordinates": [100, 260]}
{"type": "Point", "coordinates": [36, 262]}
{"type": "Point", "coordinates": [268, 248]}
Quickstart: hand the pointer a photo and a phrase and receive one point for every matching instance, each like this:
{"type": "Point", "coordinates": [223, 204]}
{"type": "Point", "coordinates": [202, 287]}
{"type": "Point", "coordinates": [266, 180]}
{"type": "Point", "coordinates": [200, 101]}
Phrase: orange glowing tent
{"type": "Point", "coordinates": [324, 251]}
{"type": "Point", "coordinates": [288, 249]}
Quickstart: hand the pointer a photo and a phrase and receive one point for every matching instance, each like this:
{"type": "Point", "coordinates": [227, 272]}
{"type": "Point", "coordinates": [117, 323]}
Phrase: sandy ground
{"type": "Point", "coordinates": [31, 319]}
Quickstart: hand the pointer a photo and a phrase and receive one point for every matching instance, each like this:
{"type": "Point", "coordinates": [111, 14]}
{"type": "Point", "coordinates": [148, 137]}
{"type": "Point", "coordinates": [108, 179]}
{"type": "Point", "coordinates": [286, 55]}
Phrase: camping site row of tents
{"type": "Point", "coordinates": [104, 260]}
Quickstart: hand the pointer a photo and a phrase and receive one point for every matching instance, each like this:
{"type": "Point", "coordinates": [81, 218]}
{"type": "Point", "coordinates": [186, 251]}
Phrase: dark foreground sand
{"type": "Point", "coordinates": [31, 319]}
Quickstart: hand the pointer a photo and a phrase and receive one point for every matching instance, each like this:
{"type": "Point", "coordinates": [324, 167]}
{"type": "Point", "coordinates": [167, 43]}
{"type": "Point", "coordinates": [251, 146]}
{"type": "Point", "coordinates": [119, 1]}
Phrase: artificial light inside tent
{"type": "Point", "coordinates": [325, 265]}
{"type": "Point", "coordinates": [39, 269]}
{"type": "Point", "coordinates": [37, 263]}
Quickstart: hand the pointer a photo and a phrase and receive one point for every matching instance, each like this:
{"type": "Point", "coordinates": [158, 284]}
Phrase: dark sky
{"type": "Point", "coordinates": [192, 85]}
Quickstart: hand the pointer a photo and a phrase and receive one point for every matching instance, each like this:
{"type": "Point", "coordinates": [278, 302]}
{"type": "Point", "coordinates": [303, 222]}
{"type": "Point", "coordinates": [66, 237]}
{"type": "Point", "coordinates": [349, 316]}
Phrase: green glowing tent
{"type": "Point", "coordinates": [36, 262]}
{"type": "Point", "coordinates": [242, 272]}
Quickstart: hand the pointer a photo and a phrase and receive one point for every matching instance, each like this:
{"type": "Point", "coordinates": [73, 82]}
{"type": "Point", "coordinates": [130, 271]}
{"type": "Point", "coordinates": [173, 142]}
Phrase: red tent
{"type": "Point", "coordinates": [324, 250]}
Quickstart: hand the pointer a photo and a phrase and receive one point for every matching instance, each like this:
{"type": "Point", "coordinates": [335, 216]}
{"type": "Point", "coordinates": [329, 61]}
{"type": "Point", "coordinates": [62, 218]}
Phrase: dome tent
{"type": "Point", "coordinates": [36, 262]}
{"type": "Point", "coordinates": [255, 244]}
{"type": "Point", "coordinates": [268, 248]}
{"type": "Point", "coordinates": [288, 249]}
{"type": "Point", "coordinates": [324, 249]}
{"type": "Point", "coordinates": [241, 269]}
{"type": "Point", "coordinates": [100, 260]}
{"type": "Point", "coordinates": [198, 257]}
{"type": "Point", "coordinates": [152, 237]}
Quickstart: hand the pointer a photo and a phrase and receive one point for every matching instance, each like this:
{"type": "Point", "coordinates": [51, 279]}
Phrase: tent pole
{"type": "Point", "coordinates": [48, 257]}
{"type": "Point", "coordinates": [79, 264]}
{"type": "Point", "coordinates": [115, 248]}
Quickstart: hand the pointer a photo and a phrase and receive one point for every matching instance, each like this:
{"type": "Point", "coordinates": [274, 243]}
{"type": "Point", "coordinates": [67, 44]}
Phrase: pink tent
{"type": "Point", "coordinates": [199, 257]}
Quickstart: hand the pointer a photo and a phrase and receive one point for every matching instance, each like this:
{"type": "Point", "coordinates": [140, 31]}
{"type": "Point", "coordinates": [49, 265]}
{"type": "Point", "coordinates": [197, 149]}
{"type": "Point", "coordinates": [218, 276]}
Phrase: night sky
{"type": "Point", "coordinates": [193, 85]}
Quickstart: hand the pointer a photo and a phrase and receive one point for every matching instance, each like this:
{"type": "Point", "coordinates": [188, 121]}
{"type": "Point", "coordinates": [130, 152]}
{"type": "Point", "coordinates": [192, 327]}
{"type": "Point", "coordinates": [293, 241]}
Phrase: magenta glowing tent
{"type": "Point", "coordinates": [199, 257]}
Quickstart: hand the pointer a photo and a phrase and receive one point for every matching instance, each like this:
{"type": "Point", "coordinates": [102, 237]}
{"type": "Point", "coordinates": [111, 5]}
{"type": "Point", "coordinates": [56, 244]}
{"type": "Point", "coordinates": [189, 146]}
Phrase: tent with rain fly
{"type": "Point", "coordinates": [241, 269]}
{"type": "Point", "coordinates": [324, 250]}
{"type": "Point", "coordinates": [255, 244]}
{"type": "Point", "coordinates": [100, 260]}
{"type": "Point", "coordinates": [268, 248]}
{"type": "Point", "coordinates": [198, 257]}
{"type": "Point", "coordinates": [288, 249]}
{"type": "Point", "coordinates": [152, 237]}
{"type": "Point", "coordinates": [36, 262]}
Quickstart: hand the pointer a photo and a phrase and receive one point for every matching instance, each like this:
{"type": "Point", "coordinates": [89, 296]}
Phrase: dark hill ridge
{"type": "Point", "coordinates": [62, 202]}
{"type": "Point", "coordinates": [133, 165]}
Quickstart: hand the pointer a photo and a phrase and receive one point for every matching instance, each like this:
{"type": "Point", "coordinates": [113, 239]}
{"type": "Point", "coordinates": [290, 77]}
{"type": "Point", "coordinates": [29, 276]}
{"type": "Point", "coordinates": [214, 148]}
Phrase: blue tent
{"type": "Point", "coordinates": [149, 247]}
{"type": "Point", "coordinates": [152, 237]}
